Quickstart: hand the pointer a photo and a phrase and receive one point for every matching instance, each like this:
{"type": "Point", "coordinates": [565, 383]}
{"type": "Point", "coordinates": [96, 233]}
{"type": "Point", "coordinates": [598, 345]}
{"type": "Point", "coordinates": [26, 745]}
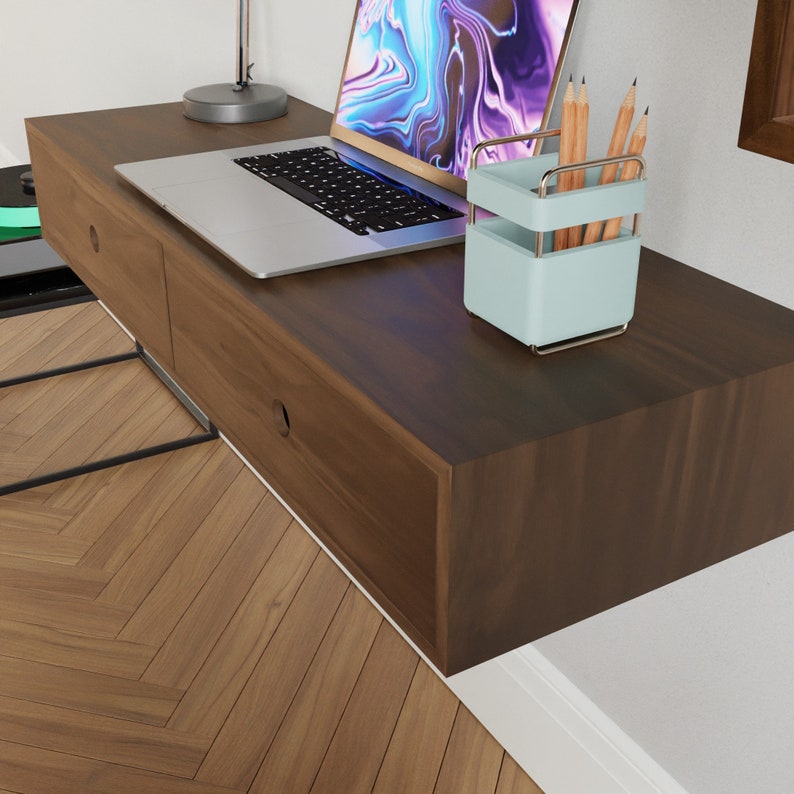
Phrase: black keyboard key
{"type": "Point", "coordinates": [346, 192]}
{"type": "Point", "coordinates": [378, 223]}
{"type": "Point", "coordinates": [300, 193]}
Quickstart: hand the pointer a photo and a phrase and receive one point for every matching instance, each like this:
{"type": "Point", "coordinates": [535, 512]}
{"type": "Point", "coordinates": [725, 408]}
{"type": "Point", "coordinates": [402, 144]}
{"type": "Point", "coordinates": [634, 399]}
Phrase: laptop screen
{"type": "Point", "coordinates": [426, 80]}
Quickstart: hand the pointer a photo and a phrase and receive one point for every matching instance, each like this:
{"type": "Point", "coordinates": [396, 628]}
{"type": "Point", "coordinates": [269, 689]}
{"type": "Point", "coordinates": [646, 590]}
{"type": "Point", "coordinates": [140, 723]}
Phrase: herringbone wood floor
{"type": "Point", "coordinates": [165, 626]}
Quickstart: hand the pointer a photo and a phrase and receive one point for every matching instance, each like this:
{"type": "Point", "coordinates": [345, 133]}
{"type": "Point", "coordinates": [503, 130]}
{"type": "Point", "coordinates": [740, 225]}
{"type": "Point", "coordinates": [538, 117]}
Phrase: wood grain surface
{"type": "Point", "coordinates": [168, 628]}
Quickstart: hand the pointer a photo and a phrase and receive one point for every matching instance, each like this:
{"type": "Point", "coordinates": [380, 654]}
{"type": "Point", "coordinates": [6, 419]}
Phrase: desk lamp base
{"type": "Point", "coordinates": [228, 103]}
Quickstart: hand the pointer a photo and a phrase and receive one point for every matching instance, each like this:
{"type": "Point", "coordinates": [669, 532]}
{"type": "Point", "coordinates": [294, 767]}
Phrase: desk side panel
{"type": "Point", "coordinates": [554, 532]}
{"type": "Point", "coordinates": [121, 264]}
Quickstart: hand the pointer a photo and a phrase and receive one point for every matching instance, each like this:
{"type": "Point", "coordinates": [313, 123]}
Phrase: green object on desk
{"type": "Point", "coordinates": [19, 217]}
{"type": "Point", "coordinates": [14, 233]}
{"type": "Point", "coordinates": [19, 212]}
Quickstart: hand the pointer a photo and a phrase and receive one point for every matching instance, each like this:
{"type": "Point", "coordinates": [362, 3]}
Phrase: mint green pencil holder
{"type": "Point", "coordinates": [550, 300]}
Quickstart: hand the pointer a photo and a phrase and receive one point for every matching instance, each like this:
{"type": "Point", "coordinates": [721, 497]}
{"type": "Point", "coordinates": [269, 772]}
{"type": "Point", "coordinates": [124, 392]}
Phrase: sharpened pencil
{"type": "Point", "coordinates": [616, 145]}
{"type": "Point", "coordinates": [567, 137]}
{"type": "Point", "coordinates": [582, 119]}
{"type": "Point", "coordinates": [629, 170]}
{"type": "Point", "coordinates": [582, 107]}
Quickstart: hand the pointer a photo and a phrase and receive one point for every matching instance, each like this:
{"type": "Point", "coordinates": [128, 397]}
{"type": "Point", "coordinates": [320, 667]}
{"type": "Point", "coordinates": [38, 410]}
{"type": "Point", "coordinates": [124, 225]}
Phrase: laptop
{"type": "Point", "coordinates": [423, 82]}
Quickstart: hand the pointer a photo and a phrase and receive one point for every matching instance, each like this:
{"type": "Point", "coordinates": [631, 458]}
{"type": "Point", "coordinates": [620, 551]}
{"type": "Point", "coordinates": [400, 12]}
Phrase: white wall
{"type": "Point", "coordinates": [710, 204]}
{"type": "Point", "coordinates": [59, 56]}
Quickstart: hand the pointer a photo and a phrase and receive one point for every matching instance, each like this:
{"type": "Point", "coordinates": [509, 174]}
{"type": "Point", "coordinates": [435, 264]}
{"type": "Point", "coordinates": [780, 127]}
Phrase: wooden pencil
{"type": "Point", "coordinates": [567, 136]}
{"type": "Point", "coordinates": [629, 170]}
{"type": "Point", "coordinates": [616, 145]}
{"type": "Point", "coordinates": [582, 118]}
{"type": "Point", "coordinates": [582, 107]}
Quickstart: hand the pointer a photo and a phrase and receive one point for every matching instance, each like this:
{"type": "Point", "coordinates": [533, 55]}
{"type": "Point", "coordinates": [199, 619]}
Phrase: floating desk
{"type": "Point", "coordinates": [484, 497]}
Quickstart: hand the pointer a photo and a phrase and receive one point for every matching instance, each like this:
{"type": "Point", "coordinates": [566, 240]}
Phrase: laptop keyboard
{"type": "Point", "coordinates": [346, 192]}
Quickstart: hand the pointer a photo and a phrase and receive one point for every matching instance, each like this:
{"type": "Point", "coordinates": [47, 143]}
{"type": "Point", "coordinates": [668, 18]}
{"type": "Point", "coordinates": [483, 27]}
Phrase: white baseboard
{"type": "Point", "coordinates": [554, 732]}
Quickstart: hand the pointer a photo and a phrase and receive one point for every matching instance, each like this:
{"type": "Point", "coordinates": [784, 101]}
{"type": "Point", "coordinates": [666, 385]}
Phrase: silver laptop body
{"type": "Point", "coordinates": [406, 128]}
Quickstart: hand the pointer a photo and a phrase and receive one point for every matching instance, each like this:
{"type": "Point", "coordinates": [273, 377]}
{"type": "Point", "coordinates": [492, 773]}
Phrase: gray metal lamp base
{"type": "Point", "coordinates": [228, 103]}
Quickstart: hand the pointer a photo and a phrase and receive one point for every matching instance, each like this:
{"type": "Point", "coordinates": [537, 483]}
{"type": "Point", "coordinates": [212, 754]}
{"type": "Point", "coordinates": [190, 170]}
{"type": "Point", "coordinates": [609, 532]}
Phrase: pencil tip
{"type": "Point", "coordinates": [646, 110]}
{"type": "Point", "coordinates": [635, 81]}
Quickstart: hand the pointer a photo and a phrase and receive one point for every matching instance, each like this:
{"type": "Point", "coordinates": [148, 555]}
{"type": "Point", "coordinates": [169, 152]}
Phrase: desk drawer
{"type": "Point", "coordinates": [121, 266]}
{"type": "Point", "coordinates": [333, 459]}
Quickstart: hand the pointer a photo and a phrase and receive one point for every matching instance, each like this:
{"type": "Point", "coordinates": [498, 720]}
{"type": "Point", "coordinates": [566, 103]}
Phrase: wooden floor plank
{"type": "Point", "coordinates": [155, 419]}
{"type": "Point", "coordinates": [298, 749]}
{"type": "Point", "coordinates": [72, 494]}
{"type": "Point", "coordinates": [101, 738]}
{"type": "Point", "coordinates": [31, 770]}
{"type": "Point", "coordinates": [122, 536]}
{"type": "Point", "coordinates": [96, 507]}
{"type": "Point", "coordinates": [365, 729]}
{"type": "Point", "coordinates": [15, 467]}
{"type": "Point", "coordinates": [14, 512]}
{"type": "Point", "coordinates": [52, 577]}
{"type": "Point", "coordinates": [77, 411]}
{"type": "Point", "coordinates": [105, 695]}
{"type": "Point", "coordinates": [173, 425]}
{"type": "Point", "coordinates": [61, 427]}
{"type": "Point", "coordinates": [55, 338]}
{"type": "Point", "coordinates": [22, 327]}
{"type": "Point", "coordinates": [417, 748]}
{"type": "Point", "coordinates": [151, 559]}
{"type": "Point", "coordinates": [266, 697]}
{"type": "Point", "coordinates": [102, 339]}
{"type": "Point", "coordinates": [9, 441]}
{"type": "Point", "coordinates": [294, 568]}
{"type": "Point", "coordinates": [29, 410]}
{"type": "Point", "coordinates": [62, 612]}
{"type": "Point", "coordinates": [472, 760]}
{"type": "Point", "coordinates": [183, 652]}
{"type": "Point", "coordinates": [101, 434]}
{"type": "Point", "coordinates": [36, 404]}
{"type": "Point", "coordinates": [35, 496]}
{"type": "Point", "coordinates": [135, 418]}
{"type": "Point", "coordinates": [44, 546]}
{"type": "Point", "coordinates": [173, 592]}
{"type": "Point", "coordinates": [74, 650]}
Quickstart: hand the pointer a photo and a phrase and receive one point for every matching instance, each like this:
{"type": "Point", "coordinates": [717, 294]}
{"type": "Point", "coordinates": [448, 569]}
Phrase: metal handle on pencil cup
{"type": "Point", "coordinates": [478, 149]}
{"type": "Point", "coordinates": [552, 172]}
{"type": "Point", "coordinates": [585, 164]}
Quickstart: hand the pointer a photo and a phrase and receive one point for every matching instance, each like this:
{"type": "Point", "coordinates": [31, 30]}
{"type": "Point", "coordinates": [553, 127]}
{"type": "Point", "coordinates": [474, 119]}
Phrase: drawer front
{"type": "Point", "coordinates": [121, 265]}
{"type": "Point", "coordinates": [368, 497]}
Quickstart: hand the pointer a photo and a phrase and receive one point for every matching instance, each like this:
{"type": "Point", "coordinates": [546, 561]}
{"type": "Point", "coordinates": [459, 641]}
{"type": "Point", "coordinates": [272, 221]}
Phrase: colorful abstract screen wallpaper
{"type": "Point", "coordinates": [432, 78]}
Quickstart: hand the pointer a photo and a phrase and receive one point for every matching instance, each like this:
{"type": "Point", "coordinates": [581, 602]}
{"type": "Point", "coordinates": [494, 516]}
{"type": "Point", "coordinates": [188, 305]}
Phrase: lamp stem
{"type": "Point", "coordinates": [243, 26]}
